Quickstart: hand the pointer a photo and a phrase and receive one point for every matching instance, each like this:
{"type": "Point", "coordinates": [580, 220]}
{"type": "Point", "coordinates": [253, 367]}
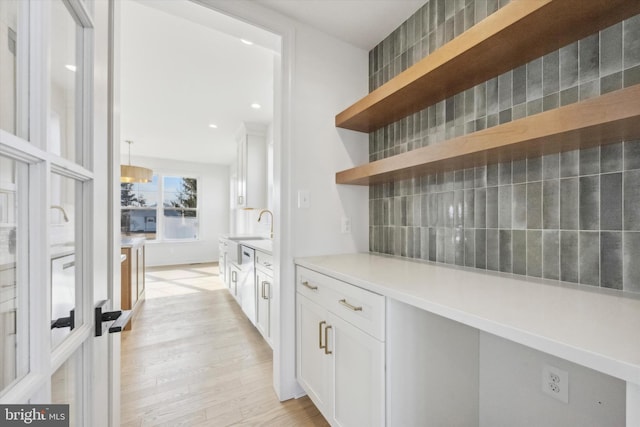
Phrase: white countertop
{"type": "Point", "coordinates": [593, 327]}
{"type": "Point", "coordinates": [131, 242]}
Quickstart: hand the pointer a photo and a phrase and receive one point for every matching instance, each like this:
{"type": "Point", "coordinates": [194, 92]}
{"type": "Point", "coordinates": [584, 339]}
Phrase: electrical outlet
{"type": "Point", "coordinates": [345, 225]}
{"type": "Point", "coordinates": [555, 382]}
{"type": "Point", "coordinates": [303, 199]}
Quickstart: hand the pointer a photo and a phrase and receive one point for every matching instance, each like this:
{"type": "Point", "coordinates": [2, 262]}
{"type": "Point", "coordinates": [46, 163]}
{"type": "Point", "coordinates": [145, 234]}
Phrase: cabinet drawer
{"type": "Point", "coordinates": [313, 286]}
{"type": "Point", "coordinates": [361, 308]}
{"type": "Point", "coordinates": [264, 260]}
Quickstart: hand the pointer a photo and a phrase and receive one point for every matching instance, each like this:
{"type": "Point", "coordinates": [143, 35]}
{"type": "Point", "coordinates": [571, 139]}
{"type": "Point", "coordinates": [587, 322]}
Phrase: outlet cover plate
{"type": "Point", "coordinates": [555, 383]}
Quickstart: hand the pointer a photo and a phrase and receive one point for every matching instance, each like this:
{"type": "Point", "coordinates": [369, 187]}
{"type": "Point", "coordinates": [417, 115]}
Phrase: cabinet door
{"type": "Point", "coordinates": [313, 364]}
{"type": "Point", "coordinates": [358, 376]}
{"type": "Point", "coordinates": [133, 273]}
{"type": "Point", "coordinates": [233, 280]}
{"type": "Point", "coordinates": [263, 281]}
{"type": "Point", "coordinates": [242, 171]}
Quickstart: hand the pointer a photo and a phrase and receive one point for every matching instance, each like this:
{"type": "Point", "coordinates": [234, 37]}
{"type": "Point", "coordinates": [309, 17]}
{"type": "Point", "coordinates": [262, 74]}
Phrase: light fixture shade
{"type": "Point", "coordinates": [130, 173]}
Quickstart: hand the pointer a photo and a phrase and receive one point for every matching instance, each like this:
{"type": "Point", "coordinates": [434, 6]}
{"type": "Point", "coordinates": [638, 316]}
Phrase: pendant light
{"type": "Point", "coordinates": [129, 173]}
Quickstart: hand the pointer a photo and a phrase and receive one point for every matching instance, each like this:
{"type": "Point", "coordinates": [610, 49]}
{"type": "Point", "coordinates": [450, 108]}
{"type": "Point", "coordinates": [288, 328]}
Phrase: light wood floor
{"type": "Point", "coordinates": [193, 359]}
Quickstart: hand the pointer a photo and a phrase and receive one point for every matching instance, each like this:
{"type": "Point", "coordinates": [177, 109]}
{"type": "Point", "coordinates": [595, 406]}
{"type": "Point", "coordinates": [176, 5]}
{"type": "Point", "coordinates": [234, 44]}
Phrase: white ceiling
{"type": "Point", "coordinates": [363, 23]}
{"type": "Point", "coordinates": [183, 67]}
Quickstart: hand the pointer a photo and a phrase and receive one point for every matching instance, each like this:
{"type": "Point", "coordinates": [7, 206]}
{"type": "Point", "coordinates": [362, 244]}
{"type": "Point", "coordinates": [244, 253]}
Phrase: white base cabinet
{"type": "Point", "coordinates": [264, 295]}
{"type": "Point", "coordinates": [340, 349]}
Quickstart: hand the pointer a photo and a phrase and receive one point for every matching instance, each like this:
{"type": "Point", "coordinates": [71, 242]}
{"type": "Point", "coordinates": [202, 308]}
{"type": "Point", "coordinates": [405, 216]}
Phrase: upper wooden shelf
{"type": "Point", "coordinates": [521, 31]}
{"type": "Point", "coordinates": [606, 119]}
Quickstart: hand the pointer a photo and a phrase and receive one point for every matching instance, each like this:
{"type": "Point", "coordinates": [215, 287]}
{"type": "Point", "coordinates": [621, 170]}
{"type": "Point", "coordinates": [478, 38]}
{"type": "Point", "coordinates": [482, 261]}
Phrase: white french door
{"type": "Point", "coordinates": [47, 184]}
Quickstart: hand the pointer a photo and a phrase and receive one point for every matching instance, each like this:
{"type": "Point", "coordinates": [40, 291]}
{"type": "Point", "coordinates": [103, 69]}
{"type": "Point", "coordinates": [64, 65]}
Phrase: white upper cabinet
{"type": "Point", "coordinates": [252, 166]}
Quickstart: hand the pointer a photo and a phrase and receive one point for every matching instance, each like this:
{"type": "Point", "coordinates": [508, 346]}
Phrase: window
{"type": "Point", "coordinates": [164, 209]}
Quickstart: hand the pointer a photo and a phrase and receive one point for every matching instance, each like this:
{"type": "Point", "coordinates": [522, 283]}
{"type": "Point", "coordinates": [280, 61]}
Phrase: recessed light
{"type": "Point", "coordinates": [247, 42]}
{"type": "Point", "coordinates": [256, 106]}
{"type": "Point", "coordinates": [70, 67]}
{"type": "Point", "coordinates": [213, 126]}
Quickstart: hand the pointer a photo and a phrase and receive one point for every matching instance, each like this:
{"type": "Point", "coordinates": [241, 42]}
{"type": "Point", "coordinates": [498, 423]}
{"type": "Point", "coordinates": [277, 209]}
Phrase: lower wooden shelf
{"type": "Point", "coordinates": [603, 120]}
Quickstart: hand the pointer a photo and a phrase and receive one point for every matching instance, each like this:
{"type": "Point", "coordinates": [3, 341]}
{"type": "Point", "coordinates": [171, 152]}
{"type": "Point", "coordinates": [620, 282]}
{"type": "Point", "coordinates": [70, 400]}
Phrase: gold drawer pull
{"type": "Point", "coordinates": [313, 288]}
{"type": "Point", "coordinates": [326, 340]}
{"type": "Point", "coordinates": [349, 306]}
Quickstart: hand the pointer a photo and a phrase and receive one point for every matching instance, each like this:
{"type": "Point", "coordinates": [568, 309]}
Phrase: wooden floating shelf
{"type": "Point", "coordinates": [603, 120]}
{"type": "Point", "coordinates": [521, 31]}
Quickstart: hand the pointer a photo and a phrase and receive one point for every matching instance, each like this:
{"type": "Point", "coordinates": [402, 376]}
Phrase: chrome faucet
{"type": "Point", "coordinates": [61, 209]}
{"type": "Point", "coordinates": [270, 213]}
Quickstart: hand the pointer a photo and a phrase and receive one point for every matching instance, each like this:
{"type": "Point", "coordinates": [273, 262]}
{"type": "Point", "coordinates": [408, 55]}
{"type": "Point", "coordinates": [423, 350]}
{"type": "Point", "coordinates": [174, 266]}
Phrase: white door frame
{"type": "Point", "coordinates": [284, 375]}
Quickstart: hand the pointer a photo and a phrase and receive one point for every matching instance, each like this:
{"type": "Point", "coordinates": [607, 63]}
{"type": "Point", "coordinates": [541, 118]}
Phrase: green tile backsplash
{"type": "Point", "coordinates": [573, 216]}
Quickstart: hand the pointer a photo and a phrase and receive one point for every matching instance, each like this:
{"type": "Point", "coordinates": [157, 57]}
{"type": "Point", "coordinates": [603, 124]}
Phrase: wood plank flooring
{"type": "Point", "coordinates": [193, 359]}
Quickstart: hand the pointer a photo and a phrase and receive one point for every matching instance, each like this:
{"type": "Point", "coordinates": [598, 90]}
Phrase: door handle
{"type": "Point", "coordinates": [65, 322]}
{"type": "Point", "coordinates": [320, 334]}
{"type": "Point", "coordinates": [234, 276]}
{"type": "Point", "coordinates": [326, 340]}
{"type": "Point", "coordinates": [264, 290]}
{"type": "Point", "coordinates": [121, 317]}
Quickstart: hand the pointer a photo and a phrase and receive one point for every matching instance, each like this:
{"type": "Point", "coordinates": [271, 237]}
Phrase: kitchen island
{"type": "Point", "coordinates": [487, 323]}
{"type": "Point", "coordinates": [132, 269]}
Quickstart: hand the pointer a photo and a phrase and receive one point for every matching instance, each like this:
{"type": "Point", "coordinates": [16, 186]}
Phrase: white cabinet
{"type": "Point", "coordinates": [251, 173]}
{"type": "Point", "coordinates": [340, 349]}
{"type": "Point", "coordinates": [265, 294]}
{"type": "Point", "coordinates": [234, 276]}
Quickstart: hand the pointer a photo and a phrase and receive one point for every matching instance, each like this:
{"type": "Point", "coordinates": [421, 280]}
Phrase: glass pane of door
{"type": "Point", "coordinates": [65, 82]}
{"type": "Point", "coordinates": [14, 336]}
{"type": "Point", "coordinates": [64, 293]}
{"type": "Point", "coordinates": [8, 65]}
{"type": "Point", "coordinates": [66, 387]}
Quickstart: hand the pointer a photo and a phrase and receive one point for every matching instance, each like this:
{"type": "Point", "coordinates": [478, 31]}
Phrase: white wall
{"type": "Point", "coordinates": [511, 390]}
{"type": "Point", "coordinates": [213, 198]}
